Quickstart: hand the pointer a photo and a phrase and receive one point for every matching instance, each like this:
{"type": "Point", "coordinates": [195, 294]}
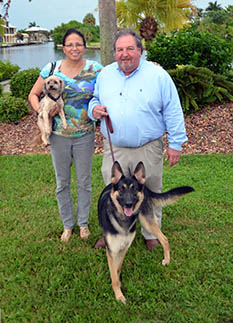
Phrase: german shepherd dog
{"type": "Point", "coordinates": [120, 204]}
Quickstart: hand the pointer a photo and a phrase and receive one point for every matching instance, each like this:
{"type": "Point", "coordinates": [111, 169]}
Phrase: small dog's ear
{"type": "Point", "coordinates": [62, 86]}
{"type": "Point", "coordinates": [140, 173]}
{"type": "Point", "coordinates": [45, 88]}
{"type": "Point", "coordinates": [117, 172]}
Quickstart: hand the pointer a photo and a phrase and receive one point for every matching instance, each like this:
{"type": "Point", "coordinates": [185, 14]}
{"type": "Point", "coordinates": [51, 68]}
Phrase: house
{"type": "Point", "coordinates": [9, 35]}
{"type": "Point", "coordinates": [38, 34]}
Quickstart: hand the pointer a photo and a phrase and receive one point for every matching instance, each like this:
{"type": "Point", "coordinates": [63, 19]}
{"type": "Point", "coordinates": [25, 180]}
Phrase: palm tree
{"type": "Point", "coordinates": [108, 28]}
{"type": "Point", "coordinates": [32, 24]}
{"type": "Point", "coordinates": [213, 6]}
{"type": "Point", "coordinates": [148, 15]}
{"type": "Point", "coordinates": [89, 19]}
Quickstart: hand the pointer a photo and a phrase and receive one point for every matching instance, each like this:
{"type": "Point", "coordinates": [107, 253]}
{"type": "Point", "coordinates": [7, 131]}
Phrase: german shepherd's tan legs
{"type": "Point", "coordinates": [115, 261]}
{"type": "Point", "coordinates": [152, 227]}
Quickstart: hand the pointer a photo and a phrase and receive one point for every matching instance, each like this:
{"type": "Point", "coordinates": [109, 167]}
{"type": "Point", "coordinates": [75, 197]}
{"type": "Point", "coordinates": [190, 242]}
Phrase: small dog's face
{"type": "Point", "coordinates": [53, 84]}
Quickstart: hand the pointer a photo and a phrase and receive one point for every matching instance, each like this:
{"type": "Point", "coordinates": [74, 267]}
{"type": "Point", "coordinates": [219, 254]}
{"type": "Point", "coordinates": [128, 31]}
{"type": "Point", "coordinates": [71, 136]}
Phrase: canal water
{"type": "Point", "coordinates": [29, 56]}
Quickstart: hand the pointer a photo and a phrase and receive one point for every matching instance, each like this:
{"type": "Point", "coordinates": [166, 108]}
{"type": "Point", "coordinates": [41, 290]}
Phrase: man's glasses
{"type": "Point", "coordinates": [74, 45]}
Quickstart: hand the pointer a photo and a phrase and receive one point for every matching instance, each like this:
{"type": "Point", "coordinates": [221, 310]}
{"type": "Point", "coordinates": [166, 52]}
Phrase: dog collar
{"type": "Point", "coordinates": [53, 98]}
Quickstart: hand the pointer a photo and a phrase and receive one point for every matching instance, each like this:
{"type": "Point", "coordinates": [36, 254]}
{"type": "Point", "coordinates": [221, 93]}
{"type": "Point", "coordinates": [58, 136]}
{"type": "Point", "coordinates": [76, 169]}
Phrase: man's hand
{"type": "Point", "coordinates": [99, 111]}
{"type": "Point", "coordinates": [173, 156]}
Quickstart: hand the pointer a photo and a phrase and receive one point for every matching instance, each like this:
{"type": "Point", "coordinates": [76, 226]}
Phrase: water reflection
{"type": "Point", "coordinates": [38, 55]}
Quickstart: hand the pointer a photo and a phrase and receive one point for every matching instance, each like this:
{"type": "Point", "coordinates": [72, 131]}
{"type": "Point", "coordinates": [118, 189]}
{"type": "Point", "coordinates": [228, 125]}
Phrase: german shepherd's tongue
{"type": "Point", "coordinates": [128, 211]}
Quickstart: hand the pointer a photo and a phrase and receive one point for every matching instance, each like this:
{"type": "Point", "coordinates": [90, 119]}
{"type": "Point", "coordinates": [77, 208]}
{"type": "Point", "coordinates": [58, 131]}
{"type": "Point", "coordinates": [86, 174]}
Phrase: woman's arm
{"type": "Point", "coordinates": [34, 95]}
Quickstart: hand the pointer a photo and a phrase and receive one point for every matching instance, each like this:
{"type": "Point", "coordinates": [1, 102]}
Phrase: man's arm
{"type": "Point", "coordinates": [174, 120]}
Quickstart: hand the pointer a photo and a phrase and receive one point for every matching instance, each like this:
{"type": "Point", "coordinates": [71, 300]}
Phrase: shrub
{"type": "Point", "coordinates": [198, 86]}
{"type": "Point", "coordinates": [12, 108]}
{"type": "Point", "coordinates": [22, 82]}
{"type": "Point", "coordinates": [7, 70]}
{"type": "Point", "coordinates": [90, 32]}
{"type": "Point", "coordinates": [191, 46]}
{"type": "Point", "coordinates": [1, 89]}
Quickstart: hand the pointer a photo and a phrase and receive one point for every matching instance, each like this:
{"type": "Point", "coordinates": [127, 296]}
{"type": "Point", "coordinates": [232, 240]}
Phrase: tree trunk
{"type": "Point", "coordinates": [108, 29]}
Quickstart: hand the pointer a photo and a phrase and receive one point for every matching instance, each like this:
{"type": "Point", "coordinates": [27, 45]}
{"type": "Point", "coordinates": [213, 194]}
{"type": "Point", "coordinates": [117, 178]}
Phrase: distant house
{"type": "Point", "coordinates": [9, 35]}
{"type": "Point", "coordinates": [38, 34]}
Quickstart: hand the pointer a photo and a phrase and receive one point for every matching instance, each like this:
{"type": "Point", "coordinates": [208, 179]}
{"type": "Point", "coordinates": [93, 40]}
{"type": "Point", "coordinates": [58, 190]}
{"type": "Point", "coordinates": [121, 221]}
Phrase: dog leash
{"type": "Point", "coordinates": [109, 130]}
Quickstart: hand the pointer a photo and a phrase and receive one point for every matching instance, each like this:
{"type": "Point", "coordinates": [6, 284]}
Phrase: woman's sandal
{"type": "Point", "coordinates": [66, 235]}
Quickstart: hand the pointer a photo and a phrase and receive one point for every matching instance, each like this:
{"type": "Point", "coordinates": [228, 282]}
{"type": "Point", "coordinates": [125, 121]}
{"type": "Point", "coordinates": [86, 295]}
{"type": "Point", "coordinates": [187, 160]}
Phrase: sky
{"type": "Point", "coordinates": [49, 13]}
{"type": "Point", "coordinates": [52, 13]}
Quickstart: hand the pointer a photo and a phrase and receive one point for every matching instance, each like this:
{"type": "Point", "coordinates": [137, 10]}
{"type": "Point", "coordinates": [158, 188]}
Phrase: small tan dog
{"type": "Point", "coordinates": [51, 104]}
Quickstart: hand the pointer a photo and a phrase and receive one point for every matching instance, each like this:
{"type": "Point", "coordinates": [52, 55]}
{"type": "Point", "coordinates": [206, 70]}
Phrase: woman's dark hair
{"type": "Point", "coordinates": [73, 31]}
{"type": "Point", "coordinates": [125, 32]}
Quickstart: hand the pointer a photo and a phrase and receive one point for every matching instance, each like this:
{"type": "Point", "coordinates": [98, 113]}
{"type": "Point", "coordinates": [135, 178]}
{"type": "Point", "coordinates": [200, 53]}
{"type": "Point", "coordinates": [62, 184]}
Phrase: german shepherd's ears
{"type": "Point", "coordinates": [116, 172]}
{"type": "Point", "coordinates": [139, 173]}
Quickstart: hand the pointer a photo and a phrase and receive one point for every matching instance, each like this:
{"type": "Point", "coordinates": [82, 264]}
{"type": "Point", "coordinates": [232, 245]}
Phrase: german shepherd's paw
{"type": "Point", "coordinates": [122, 299]}
{"type": "Point", "coordinates": [165, 262]}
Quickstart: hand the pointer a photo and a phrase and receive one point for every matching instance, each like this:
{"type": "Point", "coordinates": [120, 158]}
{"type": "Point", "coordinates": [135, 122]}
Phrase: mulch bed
{"type": "Point", "coordinates": [209, 131]}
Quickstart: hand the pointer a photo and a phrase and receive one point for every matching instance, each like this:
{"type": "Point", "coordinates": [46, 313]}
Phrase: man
{"type": "Point", "coordinates": [142, 103]}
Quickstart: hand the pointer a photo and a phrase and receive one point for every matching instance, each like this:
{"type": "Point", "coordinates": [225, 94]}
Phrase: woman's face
{"type": "Point", "coordinates": [74, 47]}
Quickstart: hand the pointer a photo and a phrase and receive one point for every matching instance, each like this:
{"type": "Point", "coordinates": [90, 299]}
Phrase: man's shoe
{"type": "Point", "coordinates": [100, 243]}
{"type": "Point", "coordinates": [151, 243]}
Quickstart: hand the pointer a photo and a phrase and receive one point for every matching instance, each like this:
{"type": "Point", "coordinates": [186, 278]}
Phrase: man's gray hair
{"type": "Point", "coordinates": [125, 32]}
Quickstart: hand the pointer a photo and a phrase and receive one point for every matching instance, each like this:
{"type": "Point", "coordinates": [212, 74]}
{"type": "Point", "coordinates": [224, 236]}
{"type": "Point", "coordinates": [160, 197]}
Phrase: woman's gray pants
{"type": "Point", "coordinates": [65, 152]}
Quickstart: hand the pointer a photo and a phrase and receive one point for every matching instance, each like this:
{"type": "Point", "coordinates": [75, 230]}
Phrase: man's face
{"type": "Point", "coordinates": [127, 54]}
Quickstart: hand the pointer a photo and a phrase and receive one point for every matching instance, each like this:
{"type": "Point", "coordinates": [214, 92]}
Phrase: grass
{"type": "Point", "coordinates": [43, 280]}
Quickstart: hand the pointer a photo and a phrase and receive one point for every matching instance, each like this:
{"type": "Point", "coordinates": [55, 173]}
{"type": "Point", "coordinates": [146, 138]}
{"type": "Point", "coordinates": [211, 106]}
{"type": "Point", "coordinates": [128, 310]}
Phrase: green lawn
{"type": "Point", "coordinates": [43, 280]}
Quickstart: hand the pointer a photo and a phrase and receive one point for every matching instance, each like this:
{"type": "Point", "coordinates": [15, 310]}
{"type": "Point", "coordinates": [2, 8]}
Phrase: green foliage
{"type": "Point", "coordinates": [44, 280]}
{"type": "Point", "coordinates": [1, 89]}
{"type": "Point", "coordinates": [218, 22]}
{"type": "Point", "coordinates": [90, 32]}
{"type": "Point", "coordinates": [198, 86]}
{"type": "Point", "coordinates": [167, 14]}
{"type": "Point", "coordinates": [94, 30]}
{"type": "Point", "coordinates": [12, 108]}
{"type": "Point", "coordinates": [89, 19]}
{"type": "Point", "coordinates": [1, 28]}
{"type": "Point", "coordinates": [190, 46]}
{"type": "Point", "coordinates": [60, 31]}
{"type": "Point", "coordinates": [22, 82]}
{"type": "Point", "coordinates": [7, 70]}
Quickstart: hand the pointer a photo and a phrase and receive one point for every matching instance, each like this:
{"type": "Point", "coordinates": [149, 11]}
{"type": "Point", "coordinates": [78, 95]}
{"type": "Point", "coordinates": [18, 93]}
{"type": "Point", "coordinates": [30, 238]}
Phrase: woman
{"type": "Point", "coordinates": [76, 143]}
